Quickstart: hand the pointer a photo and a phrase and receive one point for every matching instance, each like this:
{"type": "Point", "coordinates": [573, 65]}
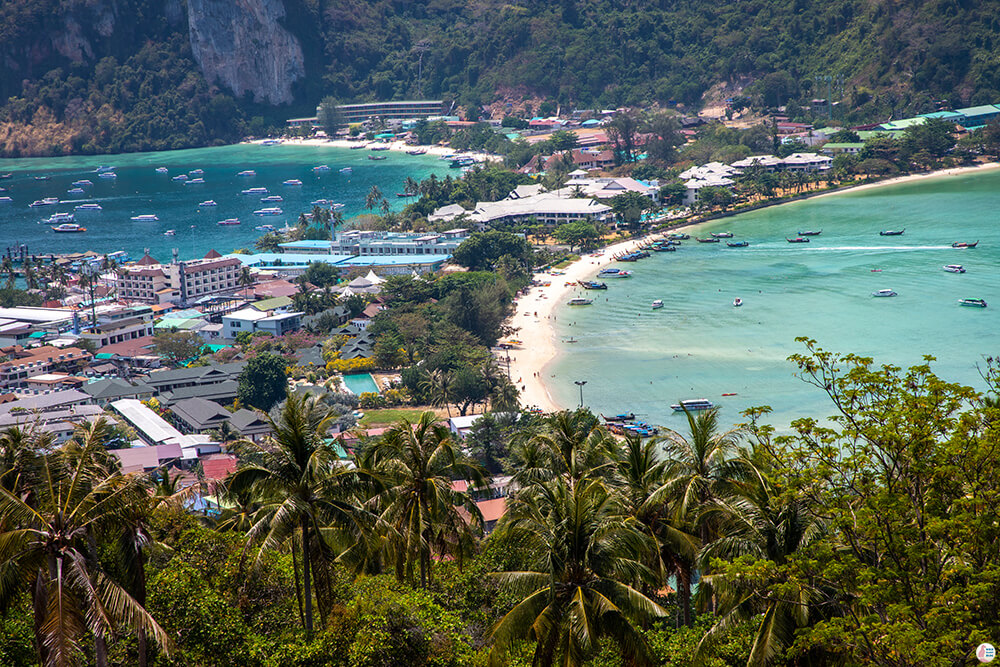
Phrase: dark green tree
{"type": "Point", "coordinates": [263, 381]}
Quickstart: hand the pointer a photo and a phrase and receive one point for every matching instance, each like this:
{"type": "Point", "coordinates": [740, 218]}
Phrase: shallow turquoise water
{"type": "Point", "coordinates": [700, 346]}
{"type": "Point", "coordinates": [361, 383]}
{"type": "Point", "coordinates": [140, 190]}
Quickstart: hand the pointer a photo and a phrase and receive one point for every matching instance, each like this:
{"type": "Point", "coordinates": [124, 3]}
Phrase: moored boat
{"type": "Point", "coordinates": [272, 198]}
{"type": "Point", "coordinates": [377, 157]}
{"type": "Point", "coordinates": [892, 232]}
{"type": "Point", "coordinates": [88, 207]}
{"type": "Point", "coordinates": [346, 170]}
{"type": "Point", "coordinates": [722, 235]}
{"type": "Point", "coordinates": [692, 404]}
{"type": "Point", "coordinates": [407, 194]}
{"type": "Point", "coordinates": [246, 173]}
{"type": "Point", "coordinates": [180, 177]}
{"type": "Point", "coordinates": [658, 303]}
{"type": "Point", "coordinates": [613, 273]}
{"type": "Point", "coordinates": [146, 217]}
{"type": "Point", "coordinates": [975, 303]}
{"type": "Point", "coordinates": [811, 233]}
{"type": "Point", "coordinates": [580, 301]}
{"type": "Point", "coordinates": [737, 244]}
{"type": "Point", "coordinates": [954, 268]}
{"type": "Point", "coordinates": [419, 151]}
{"type": "Point", "coordinates": [292, 181]}
{"type": "Point", "coordinates": [269, 211]}
{"type": "Point", "coordinates": [170, 232]}
{"type": "Point", "coordinates": [321, 167]}
{"type": "Point", "coordinates": [798, 239]}
{"type": "Point", "coordinates": [68, 228]}
{"type": "Point", "coordinates": [254, 191]}
{"type": "Point", "coordinates": [884, 292]}
{"type": "Point", "coordinates": [108, 174]}
{"type": "Point", "coordinates": [708, 240]}
{"type": "Point", "coordinates": [592, 284]}
{"type": "Point", "coordinates": [197, 172]}
{"type": "Point", "coordinates": [56, 218]}
{"type": "Point", "coordinates": [265, 228]}
{"type": "Point", "coordinates": [83, 183]}
{"type": "Point", "coordinates": [162, 170]}
{"type": "Point", "coordinates": [208, 202]}
{"type": "Point", "coordinates": [195, 181]}
{"type": "Point", "coordinates": [75, 191]}
{"type": "Point", "coordinates": [964, 244]}
{"type": "Point", "coordinates": [229, 221]}
{"type": "Point", "coordinates": [737, 302]}
{"type": "Point", "coordinates": [48, 201]}
{"type": "Point", "coordinates": [677, 236]}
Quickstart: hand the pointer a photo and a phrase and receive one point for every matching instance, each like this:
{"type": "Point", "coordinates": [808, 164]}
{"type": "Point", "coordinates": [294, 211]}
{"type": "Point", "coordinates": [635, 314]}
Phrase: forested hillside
{"type": "Point", "coordinates": [137, 74]}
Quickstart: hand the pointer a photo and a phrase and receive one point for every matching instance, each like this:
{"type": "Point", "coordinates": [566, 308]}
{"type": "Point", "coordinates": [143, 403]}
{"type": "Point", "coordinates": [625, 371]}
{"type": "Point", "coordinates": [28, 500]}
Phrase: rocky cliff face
{"type": "Point", "coordinates": [240, 45]}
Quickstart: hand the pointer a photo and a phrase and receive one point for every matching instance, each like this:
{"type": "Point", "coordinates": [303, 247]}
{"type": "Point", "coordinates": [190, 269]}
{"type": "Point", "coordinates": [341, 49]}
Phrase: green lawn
{"type": "Point", "coordinates": [389, 416]}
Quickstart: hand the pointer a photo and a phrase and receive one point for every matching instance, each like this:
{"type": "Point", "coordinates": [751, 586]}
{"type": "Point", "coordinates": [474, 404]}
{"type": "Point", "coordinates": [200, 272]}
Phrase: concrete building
{"type": "Point", "coordinates": [359, 113]}
{"type": "Point", "coordinates": [548, 208]}
{"type": "Point", "coordinates": [252, 320]}
{"type": "Point", "coordinates": [153, 430]}
{"type": "Point", "coordinates": [40, 360]}
{"type": "Point", "coordinates": [356, 243]}
{"type": "Point", "coordinates": [60, 422]}
{"type": "Point", "coordinates": [149, 281]}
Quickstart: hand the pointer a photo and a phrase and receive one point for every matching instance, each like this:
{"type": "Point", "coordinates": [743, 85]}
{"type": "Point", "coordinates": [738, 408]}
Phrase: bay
{"type": "Point", "coordinates": [139, 190]}
{"type": "Point", "coordinates": [700, 346]}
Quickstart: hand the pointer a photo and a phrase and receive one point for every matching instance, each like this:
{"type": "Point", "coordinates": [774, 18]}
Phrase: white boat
{"type": "Point", "coordinates": [169, 232]}
{"type": "Point", "coordinates": [146, 217]}
{"type": "Point", "coordinates": [102, 169]}
{"type": "Point", "coordinates": [336, 206]}
{"type": "Point", "coordinates": [346, 170]}
{"type": "Point", "coordinates": [658, 304]}
{"type": "Point", "coordinates": [75, 191]}
{"type": "Point", "coordinates": [321, 167]}
{"type": "Point", "coordinates": [161, 170]}
{"type": "Point", "coordinates": [88, 207]}
{"type": "Point", "coordinates": [68, 227]}
{"type": "Point", "coordinates": [180, 177]}
{"type": "Point", "coordinates": [292, 181]}
{"type": "Point", "coordinates": [196, 181]}
{"type": "Point", "coordinates": [274, 210]}
{"type": "Point", "coordinates": [692, 404]}
{"type": "Point", "coordinates": [580, 301]}
{"type": "Point", "coordinates": [197, 172]}
{"type": "Point", "coordinates": [270, 142]}
{"type": "Point", "coordinates": [737, 302]}
{"type": "Point", "coordinates": [884, 292]}
{"type": "Point", "coordinates": [254, 191]}
{"type": "Point", "coordinates": [210, 202]}
{"type": "Point", "coordinates": [321, 202]}
{"type": "Point", "coordinates": [6, 199]}
{"type": "Point", "coordinates": [48, 201]}
{"type": "Point", "coordinates": [82, 183]}
{"type": "Point", "coordinates": [265, 228]}
{"type": "Point", "coordinates": [229, 221]}
{"type": "Point", "coordinates": [613, 273]}
{"type": "Point", "coordinates": [272, 198]}
{"type": "Point", "coordinates": [56, 218]}
{"type": "Point", "coordinates": [247, 172]}
{"type": "Point", "coordinates": [108, 174]}
{"type": "Point", "coordinates": [954, 268]}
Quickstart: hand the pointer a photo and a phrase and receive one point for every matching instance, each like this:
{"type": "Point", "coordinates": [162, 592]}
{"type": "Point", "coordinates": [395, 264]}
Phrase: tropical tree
{"type": "Point", "coordinates": [438, 385]}
{"type": "Point", "coordinates": [246, 280]}
{"type": "Point", "coordinates": [49, 546]}
{"type": "Point", "coordinates": [585, 556]}
{"type": "Point", "coordinates": [374, 198]}
{"type": "Point", "coordinates": [293, 474]}
{"type": "Point", "coordinates": [422, 513]}
{"type": "Point", "coordinates": [570, 444]}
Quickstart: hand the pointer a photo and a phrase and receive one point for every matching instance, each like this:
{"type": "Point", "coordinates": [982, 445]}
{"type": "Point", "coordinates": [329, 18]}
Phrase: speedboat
{"type": "Point", "coordinates": [798, 239]}
{"type": "Point", "coordinates": [346, 170]}
{"type": "Point", "coordinates": [811, 233]}
{"type": "Point", "coordinates": [892, 232]}
{"type": "Point", "coordinates": [247, 172]}
{"type": "Point", "coordinates": [722, 235]}
{"type": "Point", "coordinates": [321, 167]}
{"type": "Point", "coordinates": [954, 268]}
{"type": "Point", "coordinates": [975, 303]}
{"type": "Point", "coordinates": [56, 218]}
{"type": "Point", "coordinates": [272, 198]}
{"type": "Point", "coordinates": [737, 244]}
{"type": "Point", "coordinates": [292, 181]}
{"type": "Point", "coordinates": [68, 228]}
{"type": "Point", "coordinates": [269, 211]}
{"type": "Point", "coordinates": [592, 284]}
{"type": "Point", "coordinates": [197, 172]}
{"type": "Point", "coordinates": [88, 207]}
{"type": "Point", "coordinates": [146, 217]}
{"type": "Point", "coordinates": [82, 183]}
{"type": "Point", "coordinates": [964, 244]}
{"type": "Point", "coordinates": [180, 177]}
{"type": "Point", "coordinates": [196, 181]}
{"type": "Point", "coordinates": [658, 304]}
{"type": "Point", "coordinates": [161, 170]}
{"type": "Point", "coordinates": [75, 191]}
{"type": "Point", "coordinates": [210, 202]}
{"type": "Point", "coordinates": [107, 174]}
{"type": "Point", "coordinates": [679, 237]}
{"type": "Point", "coordinates": [170, 232]}
{"type": "Point", "coordinates": [884, 292]}
{"type": "Point", "coordinates": [693, 404]}
{"type": "Point", "coordinates": [709, 240]}
{"type": "Point", "coordinates": [48, 201]}
{"type": "Point", "coordinates": [254, 191]}
{"type": "Point", "coordinates": [229, 221]}
{"type": "Point", "coordinates": [737, 302]}
{"type": "Point", "coordinates": [580, 301]}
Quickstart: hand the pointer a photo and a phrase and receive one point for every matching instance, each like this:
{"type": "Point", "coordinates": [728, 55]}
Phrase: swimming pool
{"type": "Point", "coordinates": [360, 383]}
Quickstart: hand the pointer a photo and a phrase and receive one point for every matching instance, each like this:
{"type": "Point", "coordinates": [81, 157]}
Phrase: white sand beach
{"type": "Point", "coordinates": [396, 146]}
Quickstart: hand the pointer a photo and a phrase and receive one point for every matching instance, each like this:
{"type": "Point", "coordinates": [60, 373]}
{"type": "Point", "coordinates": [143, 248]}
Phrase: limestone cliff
{"type": "Point", "coordinates": [240, 45]}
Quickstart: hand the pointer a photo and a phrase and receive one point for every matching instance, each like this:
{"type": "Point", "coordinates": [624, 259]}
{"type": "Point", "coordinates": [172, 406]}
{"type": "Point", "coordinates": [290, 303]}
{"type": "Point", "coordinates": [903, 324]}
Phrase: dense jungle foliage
{"type": "Point", "coordinates": [137, 86]}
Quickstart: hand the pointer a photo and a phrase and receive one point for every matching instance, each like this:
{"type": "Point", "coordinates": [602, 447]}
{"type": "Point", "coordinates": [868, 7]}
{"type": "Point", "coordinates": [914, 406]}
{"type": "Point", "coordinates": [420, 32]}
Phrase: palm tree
{"type": "Point", "coordinates": [586, 554]}
{"type": "Point", "coordinates": [246, 280]}
{"type": "Point", "coordinates": [438, 384]}
{"type": "Point", "coordinates": [703, 468]}
{"type": "Point", "coordinates": [373, 198]}
{"type": "Point", "coordinates": [410, 186]}
{"type": "Point", "coordinates": [424, 514]}
{"type": "Point", "coordinates": [49, 547]}
{"type": "Point", "coordinates": [7, 267]}
{"type": "Point", "coordinates": [574, 445]}
{"type": "Point", "coordinates": [761, 523]}
{"type": "Point", "coordinates": [293, 474]}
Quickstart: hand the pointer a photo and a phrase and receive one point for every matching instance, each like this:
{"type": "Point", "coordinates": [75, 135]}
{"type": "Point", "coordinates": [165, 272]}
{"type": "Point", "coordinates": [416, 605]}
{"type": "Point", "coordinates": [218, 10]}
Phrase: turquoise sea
{"type": "Point", "coordinates": [140, 190]}
{"type": "Point", "coordinates": [700, 346]}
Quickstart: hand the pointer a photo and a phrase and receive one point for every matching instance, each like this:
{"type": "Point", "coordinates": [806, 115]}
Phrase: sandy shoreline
{"type": "Point", "coordinates": [394, 146]}
{"type": "Point", "coordinates": [535, 309]}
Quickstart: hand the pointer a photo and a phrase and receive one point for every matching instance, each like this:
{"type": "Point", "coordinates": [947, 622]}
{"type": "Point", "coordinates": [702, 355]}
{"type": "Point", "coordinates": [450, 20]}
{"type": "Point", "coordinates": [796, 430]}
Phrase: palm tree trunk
{"type": "Point", "coordinates": [41, 602]}
{"type": "Point", "coordinates": [140, 597]}
{"type": "Point", "coordinates": [684, 595]}
{"type": "Point", "coordinates": [298, 584]}
{"type": "Point", "coordinates": [100, 650]}
{"type": "Point", "coordinates": [306, 584]}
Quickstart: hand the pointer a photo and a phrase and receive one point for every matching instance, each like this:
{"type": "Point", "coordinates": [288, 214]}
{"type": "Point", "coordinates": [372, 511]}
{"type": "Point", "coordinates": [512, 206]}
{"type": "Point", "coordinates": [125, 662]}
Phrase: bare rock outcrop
{"type": "Point", "coordinates": [240, 44]}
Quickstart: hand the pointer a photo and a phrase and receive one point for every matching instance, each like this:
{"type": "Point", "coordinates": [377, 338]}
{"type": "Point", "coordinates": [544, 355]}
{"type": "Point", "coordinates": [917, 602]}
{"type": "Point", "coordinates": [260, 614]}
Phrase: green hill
{"type": "Point", "coordinates": [122, 75]}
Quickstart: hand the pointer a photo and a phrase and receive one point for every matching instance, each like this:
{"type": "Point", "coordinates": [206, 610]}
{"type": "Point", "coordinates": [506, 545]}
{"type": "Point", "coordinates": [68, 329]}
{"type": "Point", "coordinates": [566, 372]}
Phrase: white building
{"type": "Point", "coordinates": [549, 208]}
{"type": "Point", "coordinates": [252, 320]}
{"type": "Point", "coordinates": [149, 281]}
